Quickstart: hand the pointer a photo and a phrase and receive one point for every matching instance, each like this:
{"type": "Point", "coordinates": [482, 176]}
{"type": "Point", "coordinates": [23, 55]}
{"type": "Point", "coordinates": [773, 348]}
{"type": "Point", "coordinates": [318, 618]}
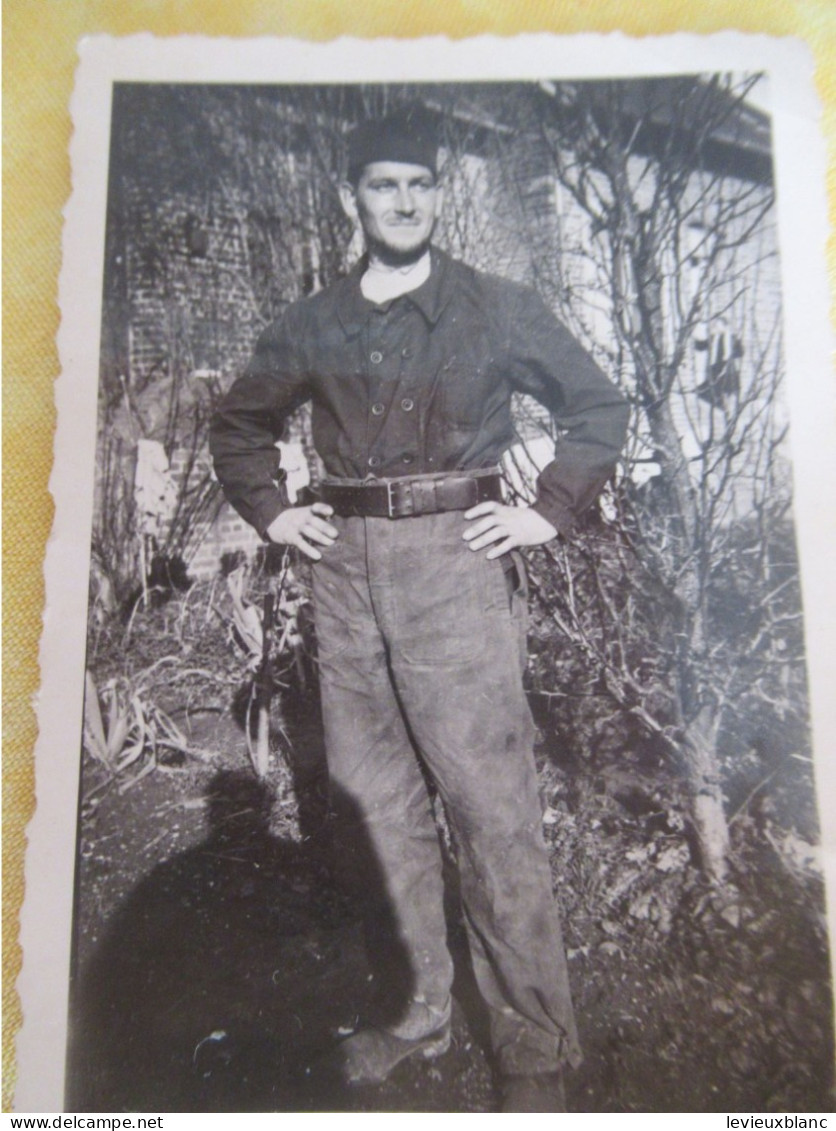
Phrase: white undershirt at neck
{"type": "Point", "coordinates": [381, 284]}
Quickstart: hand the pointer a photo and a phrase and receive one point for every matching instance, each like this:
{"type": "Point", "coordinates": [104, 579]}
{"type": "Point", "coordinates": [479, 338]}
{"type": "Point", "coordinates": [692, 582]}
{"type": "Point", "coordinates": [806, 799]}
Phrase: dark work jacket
{"type": "Point", "coordinates": [420, 384]}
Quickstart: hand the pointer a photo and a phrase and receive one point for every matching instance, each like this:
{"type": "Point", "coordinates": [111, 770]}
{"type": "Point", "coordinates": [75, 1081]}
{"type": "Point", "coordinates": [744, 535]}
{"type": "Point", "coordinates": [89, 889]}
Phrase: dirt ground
{"type": "Point", "coordinates": [217, 964]}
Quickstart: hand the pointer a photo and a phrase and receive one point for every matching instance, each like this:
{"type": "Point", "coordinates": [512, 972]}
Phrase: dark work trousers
{"type": "Point", "coordinates": [421, 648]}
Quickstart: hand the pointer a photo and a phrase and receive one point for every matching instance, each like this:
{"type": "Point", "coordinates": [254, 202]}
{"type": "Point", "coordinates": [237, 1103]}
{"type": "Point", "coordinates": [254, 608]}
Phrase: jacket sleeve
{"type": "Point", "coordinates": [590, 413]}
{"type": "Point", "coordinates": [252, 417]}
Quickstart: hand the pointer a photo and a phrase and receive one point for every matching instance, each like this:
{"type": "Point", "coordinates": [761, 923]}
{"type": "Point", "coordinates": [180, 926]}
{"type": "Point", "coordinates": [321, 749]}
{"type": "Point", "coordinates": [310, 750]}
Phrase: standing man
{"type": "Point", "coordinates": [410, 362]}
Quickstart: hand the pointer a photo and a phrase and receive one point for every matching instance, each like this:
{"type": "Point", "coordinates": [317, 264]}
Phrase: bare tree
{"type": "Point", "coordinates": [684, 601]}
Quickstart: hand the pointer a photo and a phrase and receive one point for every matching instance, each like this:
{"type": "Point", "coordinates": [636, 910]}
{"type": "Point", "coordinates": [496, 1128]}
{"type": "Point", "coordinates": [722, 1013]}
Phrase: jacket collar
{"type": "Point", "coordinates": [430, 298]}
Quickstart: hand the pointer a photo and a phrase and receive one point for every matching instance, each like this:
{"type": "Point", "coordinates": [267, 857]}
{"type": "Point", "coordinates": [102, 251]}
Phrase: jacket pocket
{"type": "Point", "coordinates": [462, 396]}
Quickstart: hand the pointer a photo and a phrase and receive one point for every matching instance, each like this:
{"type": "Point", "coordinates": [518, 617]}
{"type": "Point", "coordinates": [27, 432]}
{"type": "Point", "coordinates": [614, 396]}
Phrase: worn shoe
{"type": "Point", "coordinates": [369, 1055]}
{"type": "Point", "coordinates": [541, 1092]}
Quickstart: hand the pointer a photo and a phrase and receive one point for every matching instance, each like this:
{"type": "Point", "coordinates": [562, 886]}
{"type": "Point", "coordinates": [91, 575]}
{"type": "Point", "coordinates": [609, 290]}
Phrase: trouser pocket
{"type": "Point", "coordinates": [516, 579]}
{"type": "Point", "coordinates": [516, 583]}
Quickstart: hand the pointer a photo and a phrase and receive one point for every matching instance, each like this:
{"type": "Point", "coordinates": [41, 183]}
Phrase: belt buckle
{"type": "Point", "coordinates": [392, 505]}
{"type": "Point", "coordinates": [400, 499]}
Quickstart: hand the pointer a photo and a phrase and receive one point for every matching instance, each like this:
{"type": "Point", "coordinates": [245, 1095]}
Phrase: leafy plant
{"type": "Point", "coordinates": [266, 636]}
{"type": "Point", "coordinates": [116, 738]}
{"type": "Point", "coordinates": [130, 731]}
{"type": "Point", "coordinates": [246, 618]}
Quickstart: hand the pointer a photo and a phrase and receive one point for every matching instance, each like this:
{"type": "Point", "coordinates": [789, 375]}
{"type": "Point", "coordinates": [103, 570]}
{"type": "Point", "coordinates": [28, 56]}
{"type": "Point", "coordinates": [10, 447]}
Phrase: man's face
{"type": "Point", "coordinates": [396, 205]}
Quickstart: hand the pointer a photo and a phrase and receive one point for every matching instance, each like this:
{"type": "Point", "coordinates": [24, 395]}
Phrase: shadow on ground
{"type": "Point", "coordinates": [226, 977]}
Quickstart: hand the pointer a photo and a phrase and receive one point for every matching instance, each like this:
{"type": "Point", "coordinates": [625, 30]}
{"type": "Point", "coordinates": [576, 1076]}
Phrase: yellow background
{"type": "Point", "coordinates": [39, 59]}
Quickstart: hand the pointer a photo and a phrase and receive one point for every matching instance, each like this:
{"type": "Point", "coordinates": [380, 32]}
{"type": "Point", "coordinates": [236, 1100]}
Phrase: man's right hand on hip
{"type": "Point", "coordinates": [304, 528]}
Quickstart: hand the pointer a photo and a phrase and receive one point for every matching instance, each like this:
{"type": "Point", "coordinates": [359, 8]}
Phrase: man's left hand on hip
{"type": "Point", "coordinates": [504, 528]}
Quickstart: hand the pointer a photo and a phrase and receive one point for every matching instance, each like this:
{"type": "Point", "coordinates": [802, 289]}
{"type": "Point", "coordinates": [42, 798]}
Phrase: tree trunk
{"type": "Point", "coordinates": [689, 550]}
{"type": "Point", "coordinates": [706, 793]}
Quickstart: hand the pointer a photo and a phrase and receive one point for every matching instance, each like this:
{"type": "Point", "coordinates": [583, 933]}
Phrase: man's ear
{"type": "Point", "coordinates": [348, 199]}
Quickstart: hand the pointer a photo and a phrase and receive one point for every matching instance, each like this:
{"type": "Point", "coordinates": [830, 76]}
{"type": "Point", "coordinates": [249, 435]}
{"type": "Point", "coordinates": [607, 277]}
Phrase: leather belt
{"type": "Point", "coordinates": [406, 497]}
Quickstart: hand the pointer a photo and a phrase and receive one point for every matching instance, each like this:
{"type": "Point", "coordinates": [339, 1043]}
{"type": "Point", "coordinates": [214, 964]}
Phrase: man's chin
{"type": "Point", "coordinates": [394, 256]}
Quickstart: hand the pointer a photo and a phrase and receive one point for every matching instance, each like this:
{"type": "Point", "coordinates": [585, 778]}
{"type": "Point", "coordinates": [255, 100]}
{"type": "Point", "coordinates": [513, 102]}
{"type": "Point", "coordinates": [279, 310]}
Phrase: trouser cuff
{"type": "Point", "coordinates": [527, 1056]}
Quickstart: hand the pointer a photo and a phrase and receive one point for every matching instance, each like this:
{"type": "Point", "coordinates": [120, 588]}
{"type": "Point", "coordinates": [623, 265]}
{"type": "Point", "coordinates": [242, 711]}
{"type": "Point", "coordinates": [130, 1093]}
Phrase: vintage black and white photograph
{"type": "Point", "coordinates": [446, 743]}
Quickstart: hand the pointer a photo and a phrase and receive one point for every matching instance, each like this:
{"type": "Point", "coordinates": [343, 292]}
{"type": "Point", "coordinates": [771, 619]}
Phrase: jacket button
{"type": "Point", "coordinates": [408, 458]}
{"type": "Point", "coordinates": [406, 352]}
{"type": "Point", "coordinates": [374, 461]}
{"type": "Point", "coordinates": [375, 357]}
{"type": "Point", "coordinates": [407, 404]}
{"type": "Point", "coordinates": [378, 409]}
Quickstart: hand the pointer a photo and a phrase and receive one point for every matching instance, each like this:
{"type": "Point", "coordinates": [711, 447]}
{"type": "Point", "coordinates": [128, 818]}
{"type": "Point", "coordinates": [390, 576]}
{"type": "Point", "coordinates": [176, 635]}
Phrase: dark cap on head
{"type": "Point", "coordinates": [409, 135]}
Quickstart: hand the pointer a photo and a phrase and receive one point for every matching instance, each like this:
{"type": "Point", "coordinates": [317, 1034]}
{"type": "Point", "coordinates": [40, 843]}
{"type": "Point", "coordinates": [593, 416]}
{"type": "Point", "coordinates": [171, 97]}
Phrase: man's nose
{"type": "Point", "coordinates": [405, 202]}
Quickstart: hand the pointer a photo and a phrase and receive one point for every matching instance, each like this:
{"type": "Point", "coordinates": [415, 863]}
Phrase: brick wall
{"type": "Point", "coordinates": [189, 306]}
{"type": "Point", "coordinates": [191, 319]}
{"type": "Point", "coordinates": [227, 534]}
